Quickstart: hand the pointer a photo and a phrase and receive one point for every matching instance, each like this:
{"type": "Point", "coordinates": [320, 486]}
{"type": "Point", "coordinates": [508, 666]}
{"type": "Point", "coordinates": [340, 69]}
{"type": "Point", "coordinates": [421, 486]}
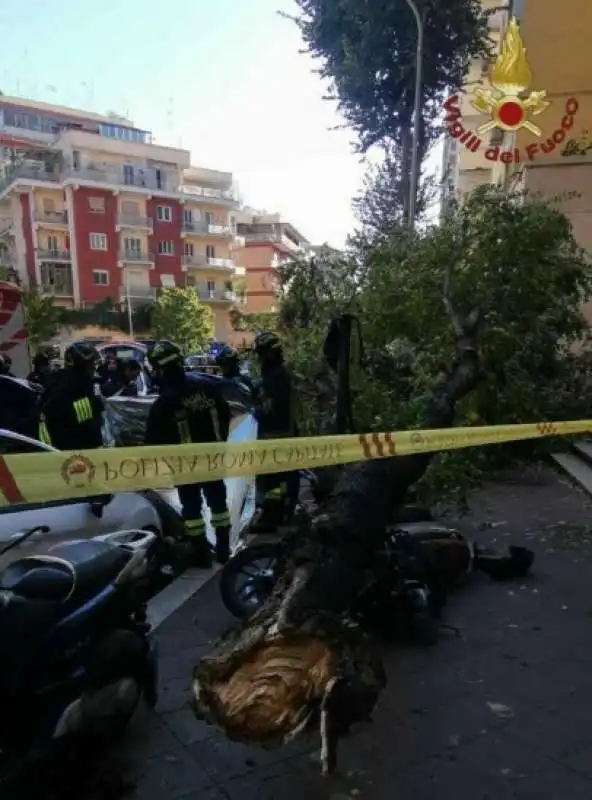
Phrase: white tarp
{"type": "Point", "coordinates": [125, 424]}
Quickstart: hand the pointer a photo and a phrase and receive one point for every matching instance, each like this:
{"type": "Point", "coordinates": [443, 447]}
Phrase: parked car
{"type": "Point", "coordinates": [67, 519]}
{"type": "Point", "coordinates": [76, 518]}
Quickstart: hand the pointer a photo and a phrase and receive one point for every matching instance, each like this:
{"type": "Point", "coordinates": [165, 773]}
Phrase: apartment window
{"type": "Point", "coordinates": [188, 249]}
{"type": "Point", "coordinates": [100, 277]}
{"type": "Point", "coordinates": [132, 245]}
{"type": "Point", "coordinates": [211, 288]}
{"type": "Point", "coordinates": [130, 207]}
{"type": "Point", "coordinates": [98, 241]}
{"type": "Point", "coordinates": [96, 205]}
{"type": "Point", "coordinates": [167, 281]}
{"type": "Point", "coordinates": [128, 175]}
{"type": "Point", "coordinates": [191, 281]}
{"type": "Point", "coordinates": [187, 216]}
{"type": "Point", "coordinates": [164, 213]}
{"type": "Point", "coordinates": [166, 248]}
{"type": "Point", "coordinates": [210, 251]}
{"type": "Point", "coordinates": [52, 243]}
{"type": "Point", "coordinates": [209, 217]}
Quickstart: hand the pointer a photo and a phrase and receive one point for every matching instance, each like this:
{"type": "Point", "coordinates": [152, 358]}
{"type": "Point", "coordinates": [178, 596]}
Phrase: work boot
{"type": "Point", "coordinates": [195, 554]}
{"type": "Point", "coordinates": [222, 549]}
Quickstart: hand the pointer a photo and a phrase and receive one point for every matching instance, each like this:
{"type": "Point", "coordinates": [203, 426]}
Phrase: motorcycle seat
{"type": "Point", "coordinates": [71, 573]}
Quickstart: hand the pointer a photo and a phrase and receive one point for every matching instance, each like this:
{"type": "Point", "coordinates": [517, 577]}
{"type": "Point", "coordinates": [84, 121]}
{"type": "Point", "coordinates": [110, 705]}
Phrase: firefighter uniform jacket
{"type": "Point", "coordinates": [276, 411]}
{"type": "Point", "coordinates": [71, 412]}
{"type": "Point", "coordinates": [191, 410]}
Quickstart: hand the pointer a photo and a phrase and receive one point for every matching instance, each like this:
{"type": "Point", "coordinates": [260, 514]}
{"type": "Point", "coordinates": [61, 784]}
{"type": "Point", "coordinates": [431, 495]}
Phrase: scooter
{"type": "Point", "coordinates": [76, 651]}
{"type": "Point", "coordinates": [403, 593]}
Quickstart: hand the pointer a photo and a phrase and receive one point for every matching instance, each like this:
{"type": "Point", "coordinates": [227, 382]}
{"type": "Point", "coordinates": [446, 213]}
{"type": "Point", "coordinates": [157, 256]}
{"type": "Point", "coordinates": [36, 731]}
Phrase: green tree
{"type": "Point", "coordinates": [382, 202]}
{"type": "Point", "coordinates": [367, 54]}
{"type": "Point", "coordinates": [42, 317]}
{"type": "Point", "coordinates": [516, 259]}
{"type": "Point", "coordinates": [179, 315]}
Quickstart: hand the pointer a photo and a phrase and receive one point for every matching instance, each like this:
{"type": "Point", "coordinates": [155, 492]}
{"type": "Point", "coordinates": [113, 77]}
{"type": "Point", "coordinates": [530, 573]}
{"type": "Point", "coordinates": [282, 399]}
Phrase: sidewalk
{"type": "Point", "coordinates": [502, 712]}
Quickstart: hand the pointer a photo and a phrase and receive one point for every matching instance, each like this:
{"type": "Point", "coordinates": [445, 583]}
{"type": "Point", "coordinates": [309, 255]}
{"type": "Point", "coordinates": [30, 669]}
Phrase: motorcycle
{"type": "Point", "coordinates": [418, 563]}
{"type": "Point", "coordinates": [77, 655]}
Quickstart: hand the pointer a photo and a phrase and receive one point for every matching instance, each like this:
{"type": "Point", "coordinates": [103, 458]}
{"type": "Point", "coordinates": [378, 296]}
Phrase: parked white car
{"type": "Point", "coordinates": [66, 519]}
{"type": "Point", "coordinates": [75, 519]}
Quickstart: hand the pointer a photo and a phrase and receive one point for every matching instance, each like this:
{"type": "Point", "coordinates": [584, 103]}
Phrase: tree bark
{"type": "Point", "coordinates": [300, 663]}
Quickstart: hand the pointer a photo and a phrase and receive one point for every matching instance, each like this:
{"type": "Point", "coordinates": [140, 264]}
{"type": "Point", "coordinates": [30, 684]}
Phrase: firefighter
{"type": "Point", "coordinates": [228, 360]}
{"type": "Point", "coordinates": [191, 409]}
{"type": "Point", "coordinates": [41, 370]}
{"type": "Point", "coordinates": [72, 407]}
{"type": "Point", "coordinates": [275, 414]}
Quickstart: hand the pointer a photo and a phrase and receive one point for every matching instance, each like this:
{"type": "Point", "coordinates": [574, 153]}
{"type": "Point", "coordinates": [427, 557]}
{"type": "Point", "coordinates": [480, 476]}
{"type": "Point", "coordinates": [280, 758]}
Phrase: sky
{"type": "Point", "coordinates": [224, 79]}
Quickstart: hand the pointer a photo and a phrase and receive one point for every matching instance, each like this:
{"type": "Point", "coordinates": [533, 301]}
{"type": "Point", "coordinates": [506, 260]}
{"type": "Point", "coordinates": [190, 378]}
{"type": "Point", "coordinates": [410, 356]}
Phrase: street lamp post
{"type": "Point", "coordinates": [417, 104]}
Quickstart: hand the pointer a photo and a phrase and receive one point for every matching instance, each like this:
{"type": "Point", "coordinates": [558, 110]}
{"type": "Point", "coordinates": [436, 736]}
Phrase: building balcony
{"type": "Point", "coordinates": [135, 257]}
{"type": "Point", "coordinates": [198, 261]}
{"type": "Point", "coordinates": [222, 264]}
{"type": "Point", "coordinates": [137, 295]}
{"type": "Point", "coordinates": [53, 255]}
{"type": "Point", "coordinates": [137, 177]}
{"type": "Point", "coordinates": [58, 289]}
{"type": "Point", "coordinates": [271, 238]}
{"type": "Point", "coordinates": [52, 219]}
{"type": "Point", "coordinates": [133, 222]}
{"type": "Point", "coordinates": [214, 295]}
{"type": "Point", "coordinates": [206, 194]}
{"type": "Point", "coordinates": [203, 229]}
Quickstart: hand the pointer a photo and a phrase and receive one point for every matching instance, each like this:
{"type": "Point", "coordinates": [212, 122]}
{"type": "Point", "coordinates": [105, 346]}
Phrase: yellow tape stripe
{"type": "Point", "coordinates": [53, 476]}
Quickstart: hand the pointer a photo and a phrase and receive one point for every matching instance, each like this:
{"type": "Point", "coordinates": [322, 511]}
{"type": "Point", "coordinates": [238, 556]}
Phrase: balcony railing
{"type": "Point", "coordinates": [147, 293]}
{"type": "Point", "coordinates": [206, 193]}
{"type": "Point", "coordinates": [53, 255]}
{"type": "Point", "coordinates": [58, 289]}
{"type": "Point", "coordinates": [147, 178]}
{"type": "Point", "coordinates": [203, 229]}
{"type": "Point", "coordinates": [214, 295]}
{"type": "Point", "coordinates": [198, 260]}
{"type": "Point", "coordinates": [52, 217]}
{"type": "Point", "coordinates": [275, 238]}
{"type": "Point", "coordinates": [136, 256]}
{"type": "Point", "coordinates": [134, 221]}
{"type": "Point", "coordinates": [221, 263]}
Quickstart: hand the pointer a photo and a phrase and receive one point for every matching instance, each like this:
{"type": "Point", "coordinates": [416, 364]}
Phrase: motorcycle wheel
{"type": "Point", "coordinates": [247, 580]}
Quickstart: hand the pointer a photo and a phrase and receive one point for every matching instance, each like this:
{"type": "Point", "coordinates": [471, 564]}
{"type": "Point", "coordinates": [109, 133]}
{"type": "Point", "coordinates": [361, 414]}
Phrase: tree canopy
{"type": "Point", "coordinates": [179, 315]}
{"type": "Point", "coordinates": [367, 53]}
{"type": "Point", "coordinates": [42, 317]}
{"type": "Point", "coordinates": [515, 258]}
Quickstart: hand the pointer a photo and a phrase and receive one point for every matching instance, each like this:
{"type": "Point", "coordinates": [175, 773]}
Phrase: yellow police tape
{"type": "Point", "coordinates": [54, 476]}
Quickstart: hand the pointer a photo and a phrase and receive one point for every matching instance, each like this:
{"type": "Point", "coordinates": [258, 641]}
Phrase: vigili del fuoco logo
{"type": "Point", "coordinates": [508, 107]}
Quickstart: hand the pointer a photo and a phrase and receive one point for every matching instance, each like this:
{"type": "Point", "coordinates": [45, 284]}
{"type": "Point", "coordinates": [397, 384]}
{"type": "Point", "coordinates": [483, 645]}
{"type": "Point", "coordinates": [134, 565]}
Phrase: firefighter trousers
{"type": "Point", "coordinates": [194, 507]}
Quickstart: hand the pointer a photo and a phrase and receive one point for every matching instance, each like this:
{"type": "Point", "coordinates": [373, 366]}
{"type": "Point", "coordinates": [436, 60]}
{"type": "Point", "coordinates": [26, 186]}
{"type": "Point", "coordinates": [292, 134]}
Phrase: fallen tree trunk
{"type": "Point", "coordinates": [299, 663]}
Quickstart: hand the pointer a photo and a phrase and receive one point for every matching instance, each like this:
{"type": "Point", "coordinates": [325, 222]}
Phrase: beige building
{"type": "Point", "coordinates": [463, 168]}
{"type": "Point", "coordinates": [264, 242]}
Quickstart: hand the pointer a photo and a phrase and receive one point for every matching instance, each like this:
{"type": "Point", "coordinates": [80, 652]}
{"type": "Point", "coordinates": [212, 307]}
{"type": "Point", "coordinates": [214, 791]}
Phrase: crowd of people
{"type": "Point", "coordinates": [189, 408]}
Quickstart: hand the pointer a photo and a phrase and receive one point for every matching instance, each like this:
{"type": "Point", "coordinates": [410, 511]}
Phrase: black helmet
{"type": "Point", "coordinates": [267, 342]}
{"type": "Point", "coordinates": [81, 356]}
{"type": "Point", "coordinates": [165, 355]}
{"type": "Point", "coordinates": [227, 356]}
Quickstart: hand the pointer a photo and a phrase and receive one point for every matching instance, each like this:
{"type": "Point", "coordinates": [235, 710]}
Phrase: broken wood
{"type": "Point", "coordinates": [300, 663]}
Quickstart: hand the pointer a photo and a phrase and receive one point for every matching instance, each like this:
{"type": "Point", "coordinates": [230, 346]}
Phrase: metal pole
{"type": "Point", "coordinates": [417, 105]}
{"type": "Point", "coordinates": [130, 316]}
